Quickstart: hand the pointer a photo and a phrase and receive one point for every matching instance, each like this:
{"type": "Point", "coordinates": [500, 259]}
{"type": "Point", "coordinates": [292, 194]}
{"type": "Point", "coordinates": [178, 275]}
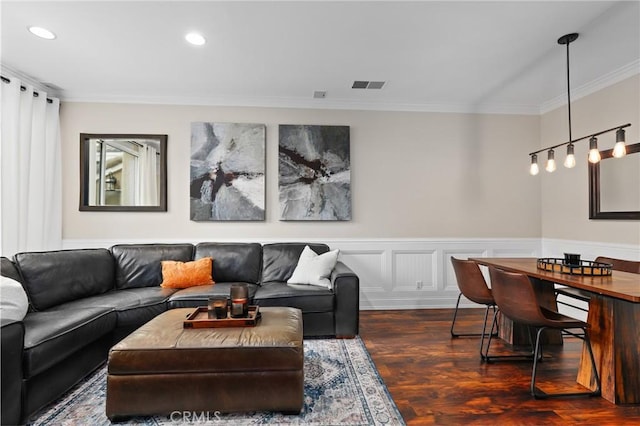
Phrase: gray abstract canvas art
{"type": "Point", "coordinates": [227, 171]}
{"type": "Point", "coordinates": [314, 172]}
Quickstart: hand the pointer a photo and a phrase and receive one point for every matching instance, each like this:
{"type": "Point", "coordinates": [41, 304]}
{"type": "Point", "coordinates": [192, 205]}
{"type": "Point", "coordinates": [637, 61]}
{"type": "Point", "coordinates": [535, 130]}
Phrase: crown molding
{"type": "Point", "coordinates": [600, 83]}
{"type": "Point", "coordinates": [593, 86]}
{"type": "Point", "coordinates": [299, 103]}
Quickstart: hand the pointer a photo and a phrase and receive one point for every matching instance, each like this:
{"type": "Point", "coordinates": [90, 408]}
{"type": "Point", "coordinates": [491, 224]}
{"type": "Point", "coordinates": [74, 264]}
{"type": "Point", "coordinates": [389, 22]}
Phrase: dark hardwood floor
{"type": "Point", "coordinates": [435, 379]}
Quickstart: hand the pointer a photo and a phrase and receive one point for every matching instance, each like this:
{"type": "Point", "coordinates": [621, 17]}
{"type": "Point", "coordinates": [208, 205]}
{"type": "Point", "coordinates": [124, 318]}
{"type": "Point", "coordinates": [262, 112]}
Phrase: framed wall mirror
{"type": "Point", "coordinates": [614, 189]}
{"type": "Point", "coordinates": [123, 172]}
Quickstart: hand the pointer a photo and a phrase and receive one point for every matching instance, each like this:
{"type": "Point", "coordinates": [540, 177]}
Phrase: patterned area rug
{"type": "Point", "coordinates": [341, 387]}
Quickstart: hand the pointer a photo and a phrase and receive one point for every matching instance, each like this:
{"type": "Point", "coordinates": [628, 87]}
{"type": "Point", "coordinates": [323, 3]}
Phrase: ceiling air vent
{"type": "Point", "coordinates": [361, 84]}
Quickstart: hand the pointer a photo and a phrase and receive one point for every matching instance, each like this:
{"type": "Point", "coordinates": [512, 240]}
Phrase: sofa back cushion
{"type": "Point", "coordinates": [138, 265]}
{"type": "Point", "coordinates": [8, 269]}
{"type": "Point", "coordinates": [233, 261]}
{"type": "Point", "coordinates": [280, 259]}
{"type": "Point", "coordinates": [56, 277]}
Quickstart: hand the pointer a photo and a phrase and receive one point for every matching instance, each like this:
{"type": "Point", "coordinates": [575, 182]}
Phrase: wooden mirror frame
{"type": "Point", "coordinates": [84, 173]}
{"type": "Point", "coordinates": [594, 190]}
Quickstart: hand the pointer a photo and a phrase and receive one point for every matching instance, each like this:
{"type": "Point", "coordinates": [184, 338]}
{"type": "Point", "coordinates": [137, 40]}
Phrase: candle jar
{"type": "Point", "coordinates": [572, 259]}
{"type": "Point", "coordinates": [239, 301]}
{"type": "Point", "coordinates": [217, 308]}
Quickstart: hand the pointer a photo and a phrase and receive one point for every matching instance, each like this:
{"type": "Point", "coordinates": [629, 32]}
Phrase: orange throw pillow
{"type": "Point", "coordinates": [186, 274]}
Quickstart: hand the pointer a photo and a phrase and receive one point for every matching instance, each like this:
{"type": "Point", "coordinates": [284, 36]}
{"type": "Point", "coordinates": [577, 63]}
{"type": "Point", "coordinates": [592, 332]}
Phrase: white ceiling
{"type": "Point", "coordinates": [435, 56]}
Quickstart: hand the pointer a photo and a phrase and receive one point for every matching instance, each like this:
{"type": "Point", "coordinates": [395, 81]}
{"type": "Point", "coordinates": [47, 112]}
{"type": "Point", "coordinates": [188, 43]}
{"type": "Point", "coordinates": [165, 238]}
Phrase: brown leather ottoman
{"type": "Point", "coordinates": [163, 368]}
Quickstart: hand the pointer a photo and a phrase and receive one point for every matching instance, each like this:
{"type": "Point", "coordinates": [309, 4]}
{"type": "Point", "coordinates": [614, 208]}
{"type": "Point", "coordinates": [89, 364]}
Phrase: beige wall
{"type": "Point", "coordinates": [565, 199]}
{"type": "Point", "coordinates": [414, 175]}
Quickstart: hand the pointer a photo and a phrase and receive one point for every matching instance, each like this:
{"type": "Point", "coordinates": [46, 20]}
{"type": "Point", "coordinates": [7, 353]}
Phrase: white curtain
{"type": "Point", "coordinates": [31, 180]}
{"type": "Point", "coordinates": [148, 176]}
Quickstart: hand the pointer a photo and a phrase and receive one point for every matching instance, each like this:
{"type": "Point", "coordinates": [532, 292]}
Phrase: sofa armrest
{"type": "Point", "coordinates": [11, 344]}
{"type": "Point", "coordinates": [346, 286]}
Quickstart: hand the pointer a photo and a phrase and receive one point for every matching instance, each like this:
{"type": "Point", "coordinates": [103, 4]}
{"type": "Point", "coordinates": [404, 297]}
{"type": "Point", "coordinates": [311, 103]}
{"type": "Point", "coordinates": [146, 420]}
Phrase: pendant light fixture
{"type": "Point", "coordinates": [594, 155]}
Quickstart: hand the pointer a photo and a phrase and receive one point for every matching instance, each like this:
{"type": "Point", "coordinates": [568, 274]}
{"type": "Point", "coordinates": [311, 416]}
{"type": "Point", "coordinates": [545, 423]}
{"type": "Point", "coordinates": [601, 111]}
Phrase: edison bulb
{"type": "Point", "coordinates": [594, 154]}
{"type": "Point", "coordinates": [551, 162]}
{"type": "Point", "coordinates": [619, 149]}
{"type": "Point", "coordinates": [551, 165]}
{"type": "Point", "coordinates": [534, 169]}
{"type": "Point", "coordinates": [570, 161]}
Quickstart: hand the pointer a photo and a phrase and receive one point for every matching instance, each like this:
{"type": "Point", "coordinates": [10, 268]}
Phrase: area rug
{"type": "Point", "coordinates": [341, 387]}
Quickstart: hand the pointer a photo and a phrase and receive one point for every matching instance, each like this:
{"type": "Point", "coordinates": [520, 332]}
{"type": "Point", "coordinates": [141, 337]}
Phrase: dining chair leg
{"type": "Point", "coordinates": [484, 330]}
{"type": "Point", "coordinates": [455, 315]}
{"type": "Point", "coordinates": [453, 322]}
{"type": "Point", "coordinates": [514, 357]}
{"type": "Point", "coordinates": [538, 393]}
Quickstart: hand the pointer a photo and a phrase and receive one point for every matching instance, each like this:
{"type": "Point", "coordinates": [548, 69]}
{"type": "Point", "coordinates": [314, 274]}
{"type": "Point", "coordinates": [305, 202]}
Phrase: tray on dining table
{"type": "Point", "coordinates": [199, 318]}
{"type": "Point", "coordinates": [584, 267]}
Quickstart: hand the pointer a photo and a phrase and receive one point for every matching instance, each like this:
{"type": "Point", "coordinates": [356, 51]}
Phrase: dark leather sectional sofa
{"type": "Point", "coordinates": [83, 301]}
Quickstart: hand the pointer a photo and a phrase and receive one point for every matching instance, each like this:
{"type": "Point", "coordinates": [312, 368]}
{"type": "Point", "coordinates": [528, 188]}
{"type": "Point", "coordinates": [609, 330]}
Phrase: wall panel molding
{"type": "Point", "coordinates": [589, 250]}
{"type": "Point", "coordinates": [394, 273]}
{"type": "Point", "coordinates": [389, 268]}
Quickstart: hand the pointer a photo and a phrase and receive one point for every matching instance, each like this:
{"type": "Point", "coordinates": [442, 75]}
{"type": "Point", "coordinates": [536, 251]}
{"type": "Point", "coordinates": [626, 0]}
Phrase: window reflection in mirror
{"type": "Point", "coordinates": [123, 172]}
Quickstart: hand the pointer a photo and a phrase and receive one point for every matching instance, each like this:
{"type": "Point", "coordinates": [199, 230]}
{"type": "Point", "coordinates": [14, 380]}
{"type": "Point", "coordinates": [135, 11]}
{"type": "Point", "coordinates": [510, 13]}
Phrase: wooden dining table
{"type": "Point", "coordinates": [613, 318]}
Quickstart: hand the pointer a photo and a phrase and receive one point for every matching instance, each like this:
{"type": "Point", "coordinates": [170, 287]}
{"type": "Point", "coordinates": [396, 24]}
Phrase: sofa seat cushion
{"type": "Point", "coordinates": [279, 260]}
{"type": "Point", "coordinates": [199, 295]}
{"type": "Point", "coordinates": [233, 261]}
{"type": "Point", "coordinates": [51, 336]}
{"type": "Point", "coordinates": [304, 297]}
{"type": "Point", "coordinates": [138, 265]}
{"type": "Point", "coordinates": [133, 306]}
{"type": "Point", "coordinates": [55, 277]}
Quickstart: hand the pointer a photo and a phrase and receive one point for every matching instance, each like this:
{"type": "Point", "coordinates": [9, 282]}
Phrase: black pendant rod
{"type": "Point", "coordinates": [568, 41]}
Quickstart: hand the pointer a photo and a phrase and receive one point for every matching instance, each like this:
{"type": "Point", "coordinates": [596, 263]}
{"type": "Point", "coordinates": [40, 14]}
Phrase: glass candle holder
{"type": "Point", "coordinates": [217, 307]}
{"type": "Point", "coordinates": [239, 301]}
{"type": "Point", "coordinates": [572, 259]}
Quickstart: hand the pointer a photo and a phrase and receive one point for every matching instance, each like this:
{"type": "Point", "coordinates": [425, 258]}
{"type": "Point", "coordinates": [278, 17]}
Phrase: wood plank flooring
{"type": "Point", "coordinates": [437, 380]}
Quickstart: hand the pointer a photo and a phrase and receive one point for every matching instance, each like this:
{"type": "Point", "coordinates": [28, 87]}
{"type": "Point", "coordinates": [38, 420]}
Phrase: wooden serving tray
{"type": "Point", "coordinates": [199, 318]}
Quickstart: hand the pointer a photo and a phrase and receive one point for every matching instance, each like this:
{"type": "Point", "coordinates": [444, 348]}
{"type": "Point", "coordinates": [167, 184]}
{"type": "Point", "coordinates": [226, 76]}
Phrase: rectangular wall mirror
{"type": "Point", "coordinates": [613, 186]}
{"type": "Point", "coordinates": [123, 172]}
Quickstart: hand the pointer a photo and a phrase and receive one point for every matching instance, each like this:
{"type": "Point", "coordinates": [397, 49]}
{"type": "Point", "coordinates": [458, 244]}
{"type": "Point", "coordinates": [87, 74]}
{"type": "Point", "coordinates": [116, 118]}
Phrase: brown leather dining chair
{"type": "Point", "coordinates": [516, 298]}
{"type": "Point", "coordinates": [583, 295]}
{"type": "Point", "coordinates": [473, 286]}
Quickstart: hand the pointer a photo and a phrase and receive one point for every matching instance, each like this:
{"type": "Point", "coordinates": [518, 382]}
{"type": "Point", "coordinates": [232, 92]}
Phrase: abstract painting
{"type": "Point", "coordinates": [314, 172]}
{"type": "Point", "coordinates": [227, 171]}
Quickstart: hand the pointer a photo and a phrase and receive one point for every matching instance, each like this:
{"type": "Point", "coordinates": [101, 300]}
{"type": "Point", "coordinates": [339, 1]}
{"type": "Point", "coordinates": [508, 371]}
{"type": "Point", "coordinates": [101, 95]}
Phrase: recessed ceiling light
{"type": "Point", "coordinates": [195, 39]}
{"type": "Point", "coordinates": [42, 33]}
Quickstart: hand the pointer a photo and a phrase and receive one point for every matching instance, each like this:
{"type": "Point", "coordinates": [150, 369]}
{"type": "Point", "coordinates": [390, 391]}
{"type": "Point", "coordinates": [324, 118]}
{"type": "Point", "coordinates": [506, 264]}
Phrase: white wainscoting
{"type": "Point", "coordinates": [396, 273]}
{"type": "Point", "coordinates": [417, 273]}
{"type": "Point", "coordinates": [589, 250]}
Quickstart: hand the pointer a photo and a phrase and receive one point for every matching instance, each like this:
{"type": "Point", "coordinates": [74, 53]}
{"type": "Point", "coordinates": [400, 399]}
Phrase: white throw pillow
{"type": "Point", "coordinates": [314, 269]}
{"type": "Point", "coordinates": [13, 299]}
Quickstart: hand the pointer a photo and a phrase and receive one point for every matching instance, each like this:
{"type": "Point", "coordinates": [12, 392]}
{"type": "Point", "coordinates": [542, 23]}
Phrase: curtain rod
{"type": "Point", "coordinates": [23, 88]}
